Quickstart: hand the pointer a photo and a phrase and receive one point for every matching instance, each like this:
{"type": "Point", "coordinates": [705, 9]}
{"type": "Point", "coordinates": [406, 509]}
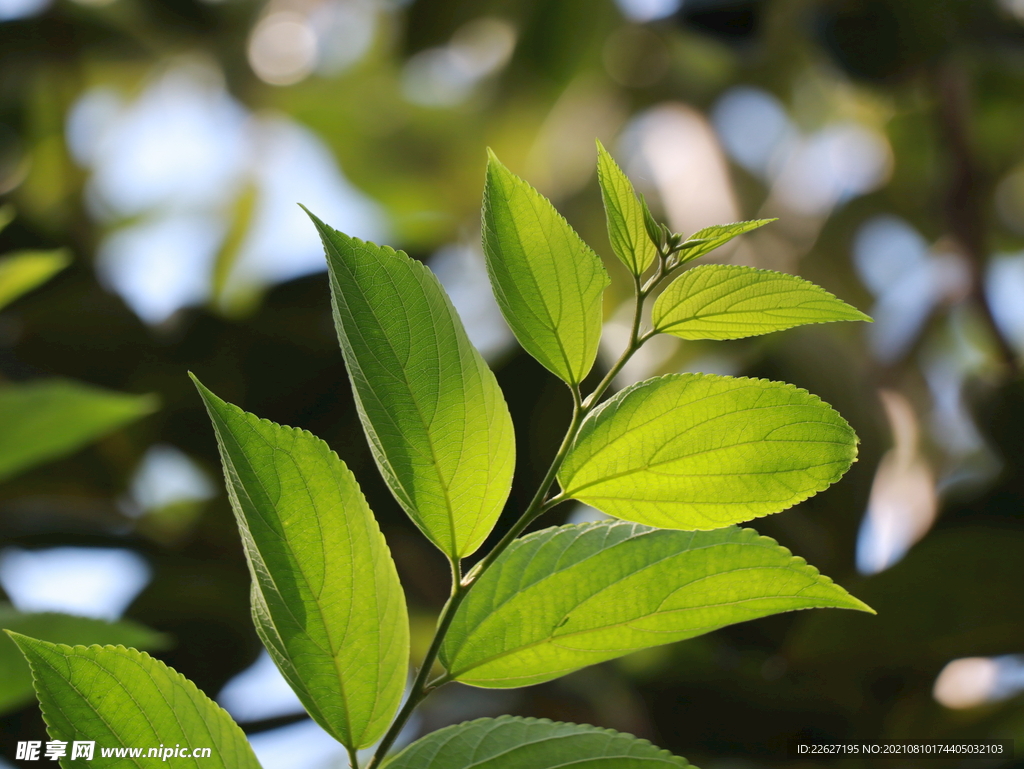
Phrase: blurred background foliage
{"type": "Point", "coordinates": [163, 145]}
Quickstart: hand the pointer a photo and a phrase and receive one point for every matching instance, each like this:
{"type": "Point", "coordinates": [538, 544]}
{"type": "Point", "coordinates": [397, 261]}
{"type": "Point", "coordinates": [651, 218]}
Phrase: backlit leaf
{"type": "Point", "coordinates": [432, 410]}
{"type": "Point", "coordinates": [698, 451]}
{"type": "Point", "coordinates": [719, 301]}
{"type": "Point", "coordinates": [119, 697]}
{"type": "Point", "coordinates": [22, 271]}
{"type": "Point", "coordinates": [15, 676]}
{"type": "Point", "coordinates": [46, 419]}
{"type": "Point", "coordinates": [707, 240]}
{"type": "Point", "coordinates": [547, 281]}
{"type": "Point", "coordinates": [520, 743]}
{"type": "Point", "coordinates": [626, 229]}
{"type": "Point", "coordinates": [571, 596]}
{"type": "Point", "coordinates": [326, 597]}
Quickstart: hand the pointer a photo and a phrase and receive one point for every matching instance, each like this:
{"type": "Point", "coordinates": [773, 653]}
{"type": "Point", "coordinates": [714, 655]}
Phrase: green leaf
{"type": "Point", "coordinates": [15, 676]}
{"type": "Point", "coordinates": [571, 596]}
{"type": "Point", "coordinates": [718, 301]}
{"type": "Point", "coordinates": [121, 697]}
{"type": "Point", "coordinates": [326, 597]}
{"type": "Point", "coordinates": [432, 410]}
{"type": "Point", "coordinates": [626, 228]}
{"type": "Point", "coordinates": [516, 743]}
{"type": "Point", "coordinates": [46, 419]}
{"type": "Point", "coordinates": [707, 240]}
{"type": "Point", "coordinates": [548, 282]}
{"type": "Point", "coordinates": [697, 451]}
{"type": "Point", "coordinates": [22, 271]}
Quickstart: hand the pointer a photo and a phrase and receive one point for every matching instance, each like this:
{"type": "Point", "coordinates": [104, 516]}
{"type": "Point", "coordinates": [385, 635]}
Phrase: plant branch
{"type": "Point", "coordinates": [539, 504]}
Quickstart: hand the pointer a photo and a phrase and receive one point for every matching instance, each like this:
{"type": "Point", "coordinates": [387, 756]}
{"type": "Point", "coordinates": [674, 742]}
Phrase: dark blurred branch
{"type": "Point", "coordinates": [966, 195]}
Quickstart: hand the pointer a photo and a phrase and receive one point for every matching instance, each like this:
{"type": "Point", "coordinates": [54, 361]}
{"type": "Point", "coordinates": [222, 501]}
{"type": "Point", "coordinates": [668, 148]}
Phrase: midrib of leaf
{"type": "Point", "coordinates": [648, 468]}
{"type": "Point", "coordinates": [775, 312]}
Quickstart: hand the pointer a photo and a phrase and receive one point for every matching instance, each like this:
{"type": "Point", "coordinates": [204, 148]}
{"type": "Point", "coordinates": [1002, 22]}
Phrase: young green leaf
{"type": "Point", "coordinates": [431, 408]}
{"type": "Point", "coordinates": [570, 596]}
{"type": "Point", "coordinates": [515, 743]}
{"type": "Point", "coordinates": [47, 419]}
{"type": "Point", "coordinates": [326, 597]}
{"type": "Point", "coordinates": [22, 271]}
{"type": "Point", "coordinates": [15, 676]}
{"type": "Point", "coordinates": [698, 451]}
{"type": "Point", "coordinates": [707, 240]}
{"type": "Point", "coordinates": [626, 229]}
{"type": "Point", "coordinates": [719, 301]}
{"type": "Point", "coordinates": [119, 697]}
{"type": "Point", "coordinates": [547, 281]}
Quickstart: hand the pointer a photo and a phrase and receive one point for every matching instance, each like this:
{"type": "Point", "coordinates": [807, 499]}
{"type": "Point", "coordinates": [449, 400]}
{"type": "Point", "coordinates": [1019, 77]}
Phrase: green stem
{"type": "Point", "coordinates": [353, 758]}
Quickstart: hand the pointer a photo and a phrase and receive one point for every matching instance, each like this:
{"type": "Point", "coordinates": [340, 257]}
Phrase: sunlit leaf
{"type": "Point", "coordinates": [626, 229]}
{"type": "Point", "coordinates": [707, 240]}
{"type": "Point", "coordinates": [46, 419]}
{"type": "Point", "coordinates": [15, 677]}
{"type": "Point", "coordinates": [547, 281]}
{"type": "Point", "coordinates": [121, 697]}
{"type": "Point", "coordinates": [521, 743]}
{"type": "Point", "coordinates": [326, 597]}
{"type": "Point", "coordinates": [698, 451]}
{"type": "Point", "coordinates": [22, 271]}
{"type": "Point", "coordinates": [570, 596]}
{"type": "Point", "coordinates": [431, 408]}
{"type": "Point", "coordinates": [718, 301]}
